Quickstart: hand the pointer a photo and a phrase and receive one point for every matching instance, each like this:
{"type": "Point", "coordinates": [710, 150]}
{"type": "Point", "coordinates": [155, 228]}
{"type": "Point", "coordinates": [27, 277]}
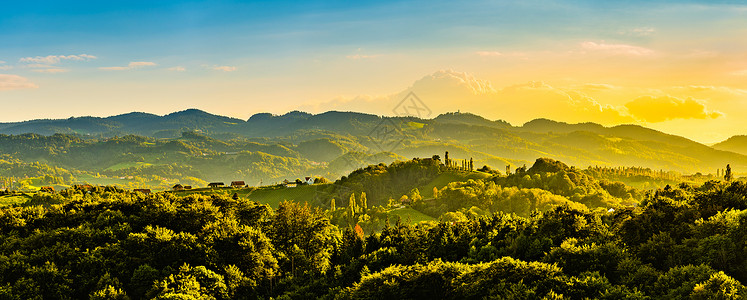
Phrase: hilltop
{"type": "Point", "coordinates": [197, 147]}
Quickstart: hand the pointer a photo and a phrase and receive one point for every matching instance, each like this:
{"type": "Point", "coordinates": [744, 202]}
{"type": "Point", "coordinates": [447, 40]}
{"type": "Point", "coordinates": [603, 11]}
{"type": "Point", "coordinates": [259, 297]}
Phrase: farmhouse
{"type": "Point", "coordinates": [187, 187]}
{"type": "Point", "coordinates": [215, 184]}
{"type": "Point", "coordinates": [144, 191]}
{"type": "Point", "coordinates": [178, 187]}
{"type": "Point", "coordinates": [309, 180]}
{"type": "Point", "coordinates": [287, 183]}
{"type": "Point", "coordinates": [237, 183]}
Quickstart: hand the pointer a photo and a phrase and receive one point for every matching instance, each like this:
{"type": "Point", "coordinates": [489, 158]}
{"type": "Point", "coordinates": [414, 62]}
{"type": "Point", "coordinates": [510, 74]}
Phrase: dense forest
{"type": "Point", "coordinates": [549, 231]}
{"type": "Point", "coordinates": [465, 218]}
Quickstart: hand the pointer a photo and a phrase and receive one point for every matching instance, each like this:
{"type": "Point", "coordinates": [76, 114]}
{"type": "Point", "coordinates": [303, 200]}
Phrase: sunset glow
{"type": "Point", "coordinates": [676, 66]}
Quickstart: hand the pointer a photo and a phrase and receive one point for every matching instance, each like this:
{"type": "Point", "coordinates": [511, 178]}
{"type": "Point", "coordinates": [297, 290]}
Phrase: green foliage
{"type": "Point", "coordinates": [508, 240]}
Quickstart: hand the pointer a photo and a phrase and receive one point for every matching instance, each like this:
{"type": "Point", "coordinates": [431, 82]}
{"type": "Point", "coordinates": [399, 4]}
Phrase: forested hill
{"type": "Point", "coordinates": [681, 242]}
{"type": "Point", "coordinates": [737, 143]}
{"type": "Point", "coordinates": [334, 143]}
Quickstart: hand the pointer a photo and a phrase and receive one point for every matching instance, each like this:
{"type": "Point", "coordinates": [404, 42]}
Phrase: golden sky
{"type": "Point", "coordinates": [675, 66]}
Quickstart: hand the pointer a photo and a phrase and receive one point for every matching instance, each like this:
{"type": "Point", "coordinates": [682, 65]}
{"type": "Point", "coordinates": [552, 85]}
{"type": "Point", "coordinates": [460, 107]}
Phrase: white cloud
{"type": "Point", "coordinates": [177, 69]}
{"type": "Point", "coordinates": [4, 67]}
{"type": "Point", "coordinates": [53, 70]}
{"type": "Point", "coordinates": [137, 64]}
{"type": "Point", "coordinates": [639, 31]}
{"type": "Point", "coordinates": [130, 66]}
{"type": "Point", "coordinates": [740, 73]}
{"type": "Point", "coordinates": [618, 49]}
{"type": "Point", "coordinates": [13, 82]}
{"type": "Point", "coordinates": [449, 79]}
{"type": "Point", "coordinates": [489, 53]}
{"type": "Point", "coordinates": [362, 56]}
{"type": "Point", "coordinates": [55, 59]}
{"type": "Point", "coordinates": [224, 68]}
{"type": "Point", "coordinates": [39, 66]}
{"type": "Point", "coordinates": [114, 68]}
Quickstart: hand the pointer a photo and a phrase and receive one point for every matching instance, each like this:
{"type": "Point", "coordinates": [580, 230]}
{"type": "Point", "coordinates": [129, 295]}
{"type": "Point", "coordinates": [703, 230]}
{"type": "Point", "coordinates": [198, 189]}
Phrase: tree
{"type": "Point", "coordinates": [727, 173]}
{"type": "Point", "coordinates": [352, 207]}
{"type": "Point", "coordinates": [719, 286]}
{"type": "Point", "coordinates": [332, 206]}
{"type": "Point", "coordinates": [303, 236]}
{"type": "Point", "coordinates": [364, 203]}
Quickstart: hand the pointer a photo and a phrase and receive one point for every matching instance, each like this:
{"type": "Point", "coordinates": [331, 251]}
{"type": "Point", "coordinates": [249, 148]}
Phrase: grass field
{"type": "Point", "coordinates": [101, 180]}
{"type": "Point", "coordinates": [14, 199]}
{"type": "Point", "coordinates": [271, 195]}
{"type": "Point", "coordinates": [408, 213]}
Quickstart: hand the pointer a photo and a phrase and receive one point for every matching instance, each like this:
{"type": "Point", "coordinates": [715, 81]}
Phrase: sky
{"type": "Point", "coordinates": [675, 66]}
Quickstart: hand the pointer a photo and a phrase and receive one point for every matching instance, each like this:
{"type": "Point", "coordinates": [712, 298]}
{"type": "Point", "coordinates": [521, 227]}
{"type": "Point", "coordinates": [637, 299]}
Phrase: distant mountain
{"type": "Point", "coordinates": [317, 139]}
{"type": "Point", "coordinates": [471, 119]}
{"type": "Point", "coordinates": [131, 123]}
{"type": "Point", "coordinates": [737, 144]}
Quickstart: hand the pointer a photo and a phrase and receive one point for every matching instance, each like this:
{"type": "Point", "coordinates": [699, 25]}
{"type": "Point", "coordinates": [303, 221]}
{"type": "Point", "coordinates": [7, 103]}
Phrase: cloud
{"type": "Point", "coordinates": [489, 53]}
{"type": "Point", "coordinates": [596, 87]}
{"type": "Point", "coordinates": [137, 64]}
{"type": "Point", "coordinates": [4, 67]}
{"type": "Point", "coordinates": [53, 70]}
{"type": "Point", "coordinates": [114, 68]}
{"type": "Point", "coordinates": [450, 79]}
{"type": "Point", "coordinates": [362, 56]}
{"type": "Point", "coordinates": [55, 59]}
{"type": "Point", "coordinates": [39, 66]}
{"type": "Point", "coordinates": [639, 31]}
{"type": "Point", "coordinates": [664, 108]}
{"type": "Point", "coordinates": [616, 49]}
{"type": "Point", "coordinates": [740, 73]}
{"type": "Point", "coordinates": [537, 99]}
{"type": "Point", "coordinates": [14, 82]}
{"type": "Point", "coordinates": [224, 68]}
{"type": "Point", "coordinates": [448, 90]}
{"type": "Point", "coordinates": [177, 69]}
{"type": "Point", "coordinates": [130, 66]}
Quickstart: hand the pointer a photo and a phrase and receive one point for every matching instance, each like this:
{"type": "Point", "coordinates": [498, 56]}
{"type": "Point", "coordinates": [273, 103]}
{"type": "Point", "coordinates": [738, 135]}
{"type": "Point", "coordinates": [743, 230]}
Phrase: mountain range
{"type": "Point", "coordinates": [334, 142]}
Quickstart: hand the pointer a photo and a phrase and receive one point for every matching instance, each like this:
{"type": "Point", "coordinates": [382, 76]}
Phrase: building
{"type": "Point", "coordinates": [309, 180]}
{"type": "Point", "coordinates": [178, 187]}
{"type": "Point", "coordinates": [215, 184]}
{"type": "Point", "coordinates": [144, 191]}
{"type": "Point", "coordinates": [287, 183]}
{"type": "Point", "coordinates": [238, 184]}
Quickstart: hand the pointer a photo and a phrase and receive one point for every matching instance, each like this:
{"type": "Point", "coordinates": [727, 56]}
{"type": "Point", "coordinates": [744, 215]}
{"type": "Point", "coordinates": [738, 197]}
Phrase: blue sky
{"type": "Point", "coordinates": [108, 57]}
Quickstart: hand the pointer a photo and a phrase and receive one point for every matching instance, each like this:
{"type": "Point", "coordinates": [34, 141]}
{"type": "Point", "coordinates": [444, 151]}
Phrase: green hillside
{"type": "Point", "coordinates": [193, 147]}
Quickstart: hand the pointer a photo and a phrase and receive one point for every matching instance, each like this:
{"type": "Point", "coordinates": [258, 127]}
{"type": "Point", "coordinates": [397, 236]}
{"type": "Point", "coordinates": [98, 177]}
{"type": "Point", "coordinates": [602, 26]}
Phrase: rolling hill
{"type": "Point", "coordinates": [269, 148]}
